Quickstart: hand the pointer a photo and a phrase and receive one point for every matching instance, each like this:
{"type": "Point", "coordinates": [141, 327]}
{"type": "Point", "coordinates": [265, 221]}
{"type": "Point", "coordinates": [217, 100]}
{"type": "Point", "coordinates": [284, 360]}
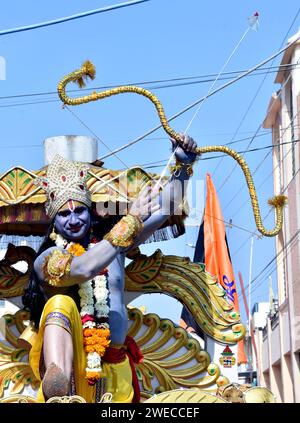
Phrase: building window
{"type": "Point", "coordinates": [290, 108]}
{"type": "Point", "coordinates": [277, 153]}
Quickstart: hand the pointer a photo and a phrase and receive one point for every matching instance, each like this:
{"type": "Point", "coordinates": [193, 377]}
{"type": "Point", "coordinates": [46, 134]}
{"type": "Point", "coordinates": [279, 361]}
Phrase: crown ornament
{"type": "Point", "coordinates": [65, 180]}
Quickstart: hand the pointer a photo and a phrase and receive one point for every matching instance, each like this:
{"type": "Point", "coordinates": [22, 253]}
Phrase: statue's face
{"type": "Point", "coordinates": [73, 221]}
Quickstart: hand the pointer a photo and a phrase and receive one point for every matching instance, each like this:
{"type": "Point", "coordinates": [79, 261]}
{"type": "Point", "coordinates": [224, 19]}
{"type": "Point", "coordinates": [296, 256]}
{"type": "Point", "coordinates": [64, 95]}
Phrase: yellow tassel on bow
{"type": "Point", "coordinates": [278, 201]}
{"type": "Point", "coordinates": [89, 73]}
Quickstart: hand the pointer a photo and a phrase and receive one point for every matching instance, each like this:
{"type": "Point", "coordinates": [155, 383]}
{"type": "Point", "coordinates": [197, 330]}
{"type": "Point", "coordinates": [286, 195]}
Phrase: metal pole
{"type": "Point", "coordinates": [271, 297]}
{"type": "Point", "coordinates": [253, 343]}
{"type": "Point", "coordinates": [249, 284]}
{"type": "Point", "coordinates": [249, 297]}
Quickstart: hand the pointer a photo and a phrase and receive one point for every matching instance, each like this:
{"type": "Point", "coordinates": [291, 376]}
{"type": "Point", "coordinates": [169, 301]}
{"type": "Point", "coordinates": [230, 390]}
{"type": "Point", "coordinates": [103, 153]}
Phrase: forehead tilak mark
{"type": "Point", "coordinates": [71, 205]}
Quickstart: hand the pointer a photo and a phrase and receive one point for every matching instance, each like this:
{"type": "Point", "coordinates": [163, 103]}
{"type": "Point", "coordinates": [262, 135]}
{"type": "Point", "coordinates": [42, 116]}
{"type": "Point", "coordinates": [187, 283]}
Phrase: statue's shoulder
{"type": "Point", "coordinates": [39, 261]}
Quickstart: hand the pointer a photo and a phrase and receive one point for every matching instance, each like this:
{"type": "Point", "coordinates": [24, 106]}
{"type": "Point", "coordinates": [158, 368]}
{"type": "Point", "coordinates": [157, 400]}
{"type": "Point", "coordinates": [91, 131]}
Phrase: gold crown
{"type": "Point", "coordinates": [65, 180]}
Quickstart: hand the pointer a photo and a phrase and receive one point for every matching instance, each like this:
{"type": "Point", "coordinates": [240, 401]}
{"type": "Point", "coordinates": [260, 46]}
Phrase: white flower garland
{"type": "Point", "coordinates": [87, 293]}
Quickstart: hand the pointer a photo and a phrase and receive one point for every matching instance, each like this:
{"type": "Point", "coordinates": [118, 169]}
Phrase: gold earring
{"type": "Point", "coordinates": [53, 234]}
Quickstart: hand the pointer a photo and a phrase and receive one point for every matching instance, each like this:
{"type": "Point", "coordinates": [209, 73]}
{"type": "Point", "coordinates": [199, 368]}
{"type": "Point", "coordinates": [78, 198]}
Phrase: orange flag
{"type": "Point", "coordinates": [217, 257]}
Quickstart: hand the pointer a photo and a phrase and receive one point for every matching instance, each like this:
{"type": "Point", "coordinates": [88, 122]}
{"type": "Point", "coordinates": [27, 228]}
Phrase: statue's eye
{"type": "Point", "coordinates": [79, 210]}
{"type": "Point", "coordinates": [64, 213]}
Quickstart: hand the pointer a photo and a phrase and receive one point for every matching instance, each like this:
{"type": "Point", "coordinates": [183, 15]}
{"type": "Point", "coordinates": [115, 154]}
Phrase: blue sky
{"type": "Point", "coordinates": [160, 39]}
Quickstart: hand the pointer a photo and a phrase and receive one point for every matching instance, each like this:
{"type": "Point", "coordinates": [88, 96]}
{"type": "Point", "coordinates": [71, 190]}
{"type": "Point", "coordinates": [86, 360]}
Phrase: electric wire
{"type": "Point", "coordinates": [56, 100]}
{"type": "Point", "coordinates": [252, 102]}
{"type": "Point", "coordinates": [271, 146]}
{"type": "Point", "coordinates": [230, 224]}
{"type": "Point", "coordinates": [273, 264]}
{"type": "Point", "coordinates": [114, 152]}
{"type": "Point", "coordinates": [259, 166]}
{"type": "Point", "coordinates": [149, 83]}
{"type": "Point", "coordinates": [254, 136]}
{"type": "Point", "coordinates": [264, 219]}
{"type": "Point", "coordinates": [195, 114]}
{"type": "Point", "coordinates": [195, 103]}
{"type": "Point", "coordinates": [260, 277]}
{"type": "Point", "coordinates": [94, 134]}
{"type": "Point", "coordinates": [282, 191]}
{"type": "Point", "coordinates": [148, 139]}
{"type": "Point", "coordinates": [269, 175]}
{"type": "Point", "coordinates": [71, 18]}
{"type": "Point", "coordinates": [267, 215]}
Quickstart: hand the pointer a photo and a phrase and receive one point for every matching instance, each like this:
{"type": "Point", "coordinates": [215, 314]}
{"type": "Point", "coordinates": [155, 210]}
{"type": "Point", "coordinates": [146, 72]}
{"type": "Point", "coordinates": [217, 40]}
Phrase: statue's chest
{"type": "Point", "coordinates": [116, 272]}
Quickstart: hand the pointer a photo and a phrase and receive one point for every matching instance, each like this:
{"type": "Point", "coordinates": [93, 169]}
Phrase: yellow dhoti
{"type": "Point", "coordinates": [119, 376]}
{"type": "Point", "coordinates": [119, 381]}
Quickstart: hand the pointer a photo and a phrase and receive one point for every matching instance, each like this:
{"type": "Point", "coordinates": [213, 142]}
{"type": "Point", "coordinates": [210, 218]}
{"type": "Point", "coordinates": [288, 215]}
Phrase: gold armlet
{"type": "Point", "coordinates": [178, 166]}
{"type": "Point", "coordinates": [125, 231]}
{"type": "Point", "coordinates": [57, 264]}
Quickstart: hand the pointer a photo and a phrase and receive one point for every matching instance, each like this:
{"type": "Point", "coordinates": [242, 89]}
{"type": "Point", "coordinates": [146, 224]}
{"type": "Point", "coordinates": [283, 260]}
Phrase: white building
{"type": "Point", "coordinates": [279, 341]}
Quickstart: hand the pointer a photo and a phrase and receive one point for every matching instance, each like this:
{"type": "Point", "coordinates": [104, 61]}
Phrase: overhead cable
{"type": "Point", "coordinates": [195, 103]}
{"type": "Point", "coordinates": [71, 18]}
{"type": "Point", "coordinates": [252, 102]}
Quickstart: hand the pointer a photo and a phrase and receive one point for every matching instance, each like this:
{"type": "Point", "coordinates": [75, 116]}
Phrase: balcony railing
{"type": "Point", "coordinates": [274, 320]}
{"type": "Point", "coordinates": [265, 333]}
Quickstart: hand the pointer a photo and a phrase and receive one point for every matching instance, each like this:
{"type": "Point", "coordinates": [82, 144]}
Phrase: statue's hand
{"type": "Point", "coordinates": [185, 153]}
{"type": "Point", "coordinates": [146, 203]}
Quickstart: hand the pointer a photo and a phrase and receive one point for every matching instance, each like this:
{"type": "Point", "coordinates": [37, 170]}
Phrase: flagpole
{"type": "Point", "coordinates": [249, 293]}
{"type": "Point", "coordinates": [249, 285]}
{"type": "Point", "coordinates": [271, 297]}
{"type": "Point", "coordinates": [253, 343]}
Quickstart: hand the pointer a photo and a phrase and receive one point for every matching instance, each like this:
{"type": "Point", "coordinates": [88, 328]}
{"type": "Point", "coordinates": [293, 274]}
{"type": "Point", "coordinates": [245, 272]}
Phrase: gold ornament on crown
{"type": "Point", "coordinates": [88, 71]}
{"type": "Point", "coordinates": [65, 180]}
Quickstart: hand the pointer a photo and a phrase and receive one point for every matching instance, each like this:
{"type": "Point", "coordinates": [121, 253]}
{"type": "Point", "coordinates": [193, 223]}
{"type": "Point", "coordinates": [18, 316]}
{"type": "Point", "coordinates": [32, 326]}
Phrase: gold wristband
{"type": "Point", "coordinates": [125, 231]}
{"type": "Point", "coordinates": [57, 264]}
{"type": "Point", "coordinates": [176, 169]}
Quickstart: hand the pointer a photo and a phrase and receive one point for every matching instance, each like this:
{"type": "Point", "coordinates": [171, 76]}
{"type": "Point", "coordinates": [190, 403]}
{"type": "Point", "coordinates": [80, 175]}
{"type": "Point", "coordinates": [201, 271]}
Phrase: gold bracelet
{"type": "Point", "coordinates": [57, 264]}
{"type": "Point", "coordinates": [125, 231]}
{"type": "Point", "coordinates": [176, 169]}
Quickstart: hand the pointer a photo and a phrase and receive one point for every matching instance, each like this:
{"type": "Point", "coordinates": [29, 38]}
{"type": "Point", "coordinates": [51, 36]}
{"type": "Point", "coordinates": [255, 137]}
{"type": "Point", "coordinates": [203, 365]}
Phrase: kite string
{"type": "Point", "coordinates": [202, 102]}
{"type": "Point", "coordinates": [214, 82]}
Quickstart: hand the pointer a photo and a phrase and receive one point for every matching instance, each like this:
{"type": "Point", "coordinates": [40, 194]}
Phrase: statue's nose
{"type": "Point", "coordinates": [74, 221]}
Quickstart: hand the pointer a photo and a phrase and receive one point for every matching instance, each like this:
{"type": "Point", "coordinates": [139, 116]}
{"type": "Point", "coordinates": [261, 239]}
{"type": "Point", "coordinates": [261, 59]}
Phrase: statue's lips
{"type": "Point", "coordinates": [75, 230]}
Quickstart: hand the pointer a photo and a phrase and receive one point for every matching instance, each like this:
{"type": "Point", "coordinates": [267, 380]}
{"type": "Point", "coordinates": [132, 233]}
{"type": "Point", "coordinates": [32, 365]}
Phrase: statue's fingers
{"type": "Point", "coordinates": [145, 191]}
{"type": "Point", "coordinates": [174, 144]}
{"type": "Point", "coordinates": [152, 198]}
{"type": "Point", "coordinates": [190, 145]}
{"type": "Point", "coordinates": [185, 138]}
{"type": "Point", "coordinates": [193, 144]}
{"type": "Point", "coordinates": [155, 192]}
{"type": "Point", "coordinates": [194, 147]}
{"type": "Point", "coordinates": [154, 208]}
{"type": "Point", "coordinates": [145, 201]}
{"type": "Point", "coordinates": [186, 143]}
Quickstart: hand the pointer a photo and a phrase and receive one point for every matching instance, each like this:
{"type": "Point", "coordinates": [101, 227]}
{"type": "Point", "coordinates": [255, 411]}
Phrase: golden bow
{"type": "Point", "coordinates": [88, 71]}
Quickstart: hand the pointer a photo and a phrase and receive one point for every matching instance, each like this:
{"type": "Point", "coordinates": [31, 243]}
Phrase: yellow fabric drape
{"type": "Point", "coordinates": [119, 376]}
{"type": "Point", "coordinates": [119, 381]}
{"type": "Point", "coordinates": [66, 305]}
